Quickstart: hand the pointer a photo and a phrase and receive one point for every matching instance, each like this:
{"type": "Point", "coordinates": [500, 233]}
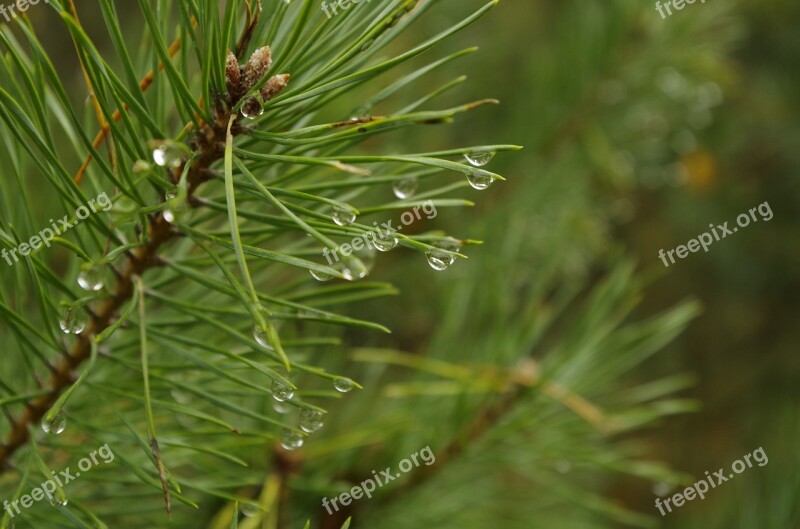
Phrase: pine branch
{"type": "Point", "coordinates": [142, 259]}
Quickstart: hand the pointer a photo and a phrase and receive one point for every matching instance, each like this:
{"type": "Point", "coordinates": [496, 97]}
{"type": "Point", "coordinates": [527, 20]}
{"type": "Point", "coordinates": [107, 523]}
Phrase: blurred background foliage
{"type": "Point", "coordinates": [638, 133]}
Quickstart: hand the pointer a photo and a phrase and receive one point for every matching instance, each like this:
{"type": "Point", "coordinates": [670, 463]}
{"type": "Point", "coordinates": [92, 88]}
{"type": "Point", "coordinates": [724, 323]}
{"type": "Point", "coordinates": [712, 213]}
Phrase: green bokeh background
{"type": "Point", "coordinates": [570, 74]}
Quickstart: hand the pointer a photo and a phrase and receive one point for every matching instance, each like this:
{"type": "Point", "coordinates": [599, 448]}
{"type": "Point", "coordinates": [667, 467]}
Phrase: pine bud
{"type": "Point", "coordinates": [233, 76]}
{"type": "Point", "coordinates": [256, 67]}
{"type": "Point", "coordinates": [274, 86]}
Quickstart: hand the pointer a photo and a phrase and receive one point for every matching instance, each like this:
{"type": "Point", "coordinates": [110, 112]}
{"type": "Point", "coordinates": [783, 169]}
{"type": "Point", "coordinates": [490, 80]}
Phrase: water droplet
{"type": "Point", "coordinates": [58, 502]}
{"type": "Point", "coordinates": [261, 337]}
{"type": "Point", "coordinates": [343, 385]}
{"type": "Point", "coordinates": [141, 166]}
{"type": "Point", "coordinates": [56, 425]}
{"type": "Point", "coordinates": [405, 188]}
{"type": "Point", "coordinates": [291, 440]}
{"type": "Point", "coordinates": [709, 95]}
{"type": "Point", "coordinates": [450, 243]}
{"type": "Point", "coordinates": [180, 397]}
{"type": "Point", "coordinates": [72, 319]}
{"type": "Point", "coordinates": [168, 154]}
{"type": "Point", "coordinates": [310, 420]}
{"type": "Point", "coordinates": [178, 209]}
{"type": "Point", "coordinates": [353, 269]}
{"type": "Point", "coordinates": [344, 215]}
{"type": "Point", "coordinates": [479, 179]}
{"type": "Point", "coordinates": [662, 489]}
{"type": "Point", "coordinates": [252, 108]}
{"type": "Point", "coordinates": [248, 510]}
{"type": "Point", "coordinates": [281, 392]}
{"type": "Point", "coordinates": [92, 278]}
{"type": "Point", "coordinates": [385, 242]}
{"type": "Point", "coordinates": [672, 82]}
{"type": "Point", "coordinates": [440, 260]}
{"type": "Point", "coordinates": [563, 466]}
{"type": "Point", "coordinates": [280, 407]}
{"type": "Point", "coordinates": [320, 276]}
{"type": "Point", "coordinates": [479, 159]}
{"type": "Point", "coordinates": [124, 209]}
{"type": "Point", "coordinates": [367, 255]}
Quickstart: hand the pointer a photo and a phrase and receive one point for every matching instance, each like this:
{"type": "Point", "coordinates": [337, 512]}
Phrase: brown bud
{"type": "Point", "coordinates": [233, 76]}
{"type": "Point", "coordinates": [274, 86]}
{"type": "Point", "coordinates": [256, 67]}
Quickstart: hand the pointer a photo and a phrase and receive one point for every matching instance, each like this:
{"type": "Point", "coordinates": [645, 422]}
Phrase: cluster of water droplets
{"type": "Point", "coordinates": [361, 261]}
{"type": "Point", "coordinates": [281, 393]}
{"type": "Point", "coordinates": [311, 420]}
{"type": "Point", "coordinates": [72, 319]}
{"type": "Point", "coordinates": [478, 178]}
{"type": "Point", "coordinates": [441, 260]}
{"type": "Point", "coordinates": [479, 159]}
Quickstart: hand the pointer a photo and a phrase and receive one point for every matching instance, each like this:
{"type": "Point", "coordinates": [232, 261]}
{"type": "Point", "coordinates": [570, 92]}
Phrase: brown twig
{"type": "Point", "coordinates": [521, 380]}
{"type": "Point", "coordinates": [105, 128]}
{"type": "Point", "coordinates": [139, 261]}
{"type": "Point", "coordinates": [524, 378]}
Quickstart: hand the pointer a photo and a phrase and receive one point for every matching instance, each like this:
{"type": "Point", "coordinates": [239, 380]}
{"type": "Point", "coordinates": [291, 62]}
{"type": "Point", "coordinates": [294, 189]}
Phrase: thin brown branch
{"type": "Point", "coordinates": [249, 27]}
{"type": "Point", "coordinates": [162, 475]}
{"type": "Point", "coordinates": [105, 128]}
{"type": "Point", "coordinates": [514, 385]}
{"type": "Point", "coordinates": [101, 120]}
{"type": "Point", "coordinates": [139, 261]}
